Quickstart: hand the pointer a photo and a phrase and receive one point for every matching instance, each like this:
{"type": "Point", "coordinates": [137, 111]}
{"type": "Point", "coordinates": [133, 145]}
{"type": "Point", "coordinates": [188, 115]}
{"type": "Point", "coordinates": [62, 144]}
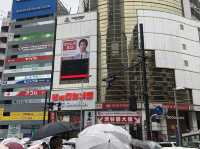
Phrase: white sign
{"type": "Point", "coordinates": [75, 99]}
{"type": "Point", "coordinates": [27, 69]}
{"type": "Point", "coordinates": [89, 118]}
{"type": "Point", "coordinates": [119, 117]}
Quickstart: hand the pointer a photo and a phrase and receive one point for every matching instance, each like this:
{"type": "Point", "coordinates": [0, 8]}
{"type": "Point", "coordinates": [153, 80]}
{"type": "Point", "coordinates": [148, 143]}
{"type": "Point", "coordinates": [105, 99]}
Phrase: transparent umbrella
{"type": "Point", "coordinates": [117, 131]}
{"type": "Point", "coordinates": [99, 140]}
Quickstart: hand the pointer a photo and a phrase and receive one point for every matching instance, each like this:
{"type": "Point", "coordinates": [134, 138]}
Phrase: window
{"type": "Point", "coordinates": [186, 63]}
{"type": "Point", "coordinates": [6, 113]}
{"type": "Point", "coordinates": [199, 32]}
{"type": "Point", "coordinates": [181, 26]}
{"type": "Point", "coordinates": [12, 67]}
{"type": "Point", "coordinates": [11, 78]}
{"type": "Point", "coordinates": [15, 46]}
{"type": "Point", "coordinates": [18, 26]}
{"type": "Point", "coordinates": [184, 46]}
{"type": "Point", "coordinates": [13, 56]}
{"type": "Point", "coordinates": [16, 36]}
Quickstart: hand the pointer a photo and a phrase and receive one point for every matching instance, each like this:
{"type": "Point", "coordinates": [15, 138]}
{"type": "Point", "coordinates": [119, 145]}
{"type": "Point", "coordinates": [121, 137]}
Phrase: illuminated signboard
{"type": "Point", "coordinates": [27, 101]}
{"type": "Point", "coordinates": [31, 8]}
{"type": "Point", "coordinates": [33, 81]}
{"type": "Point", "coordinates": [24, 116]}
{"type": "Point", "coordinates": [26, 93]}
{"type": "Point", "coordinates": [75, 99]}
{"type": "Point", "coordinates": [27, 69]}
{"type": "Point", "coordinates": [35, 36]}
{"type": "Point", "coordinates": [17, 78]}
{"type": "Point", "coordinates": [29, 59]}
{"type": "Point", "coordinates": [36, 47]}
{"type": "Point", "coordinates": [75, 59]}
{"type": "Point", "coordinates": [119, 117]}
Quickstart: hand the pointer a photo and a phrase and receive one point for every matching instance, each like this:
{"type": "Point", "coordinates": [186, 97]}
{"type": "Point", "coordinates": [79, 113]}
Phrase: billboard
{"type": "Point", "coordinates": [35, 36]}
{"type": "Point", "coordinates": [75, 59]}
{"type": "Point", "coordinates": [28, 59]}
{"type": "Point", "coordinates": [22, 9]}
{"type": "Point", "coordinates": [28, 69]}
{"type": "Point", "coordinates": [25, 93]}
{"type": "Point", "coordinates": [119, 117]}
{"type": "Point", "coordinates": [35, 47]}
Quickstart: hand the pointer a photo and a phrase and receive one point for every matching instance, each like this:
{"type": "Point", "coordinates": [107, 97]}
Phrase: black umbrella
{"type": "Point", "coordinates": [53, 129]}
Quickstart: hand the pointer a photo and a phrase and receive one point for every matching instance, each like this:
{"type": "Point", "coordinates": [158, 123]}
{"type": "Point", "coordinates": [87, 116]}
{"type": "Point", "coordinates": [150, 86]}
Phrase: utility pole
{"type": "Point", "coordinates": [145, 90]}
{"type": "Point", "coordinates": [45, 107]}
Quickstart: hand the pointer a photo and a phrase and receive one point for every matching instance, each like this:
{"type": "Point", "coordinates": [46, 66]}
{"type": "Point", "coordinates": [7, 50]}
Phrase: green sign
{"type": "Point", "coordinates": [35, 36]}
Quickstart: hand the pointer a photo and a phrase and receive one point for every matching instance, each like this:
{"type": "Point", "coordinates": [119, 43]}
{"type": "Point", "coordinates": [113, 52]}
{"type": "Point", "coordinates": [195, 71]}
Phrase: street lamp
{"type": "Point", "coordinates": [178, 132]}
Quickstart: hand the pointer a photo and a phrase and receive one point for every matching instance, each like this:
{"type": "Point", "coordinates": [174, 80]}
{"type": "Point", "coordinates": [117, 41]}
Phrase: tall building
{"type": "Point", "coordinates": [4, 35]}
{"type": "Point", "coordinates": [119, 55]}
{"type": "Point", "coordinates": [27, 72]}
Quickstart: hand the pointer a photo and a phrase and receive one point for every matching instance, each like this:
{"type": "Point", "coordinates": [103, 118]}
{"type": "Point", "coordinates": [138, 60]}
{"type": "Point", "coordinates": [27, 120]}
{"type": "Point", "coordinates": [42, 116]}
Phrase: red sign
{"type": "Point", "coordinates": [120, 119]}
{"type": "Point", "coordinates": [69, 45]}
{"type": "Point", "coordinates": [29, 59]}
{"type": "Point", "coordinates": [26, 93]}
{"type": "Point", "coordinates": [115, 105]}
{"type": "Point", "coordinates": [32, 93]}
{"type": "Point", "coordinates": [73, 96]}
{"type": "Point", "coordinates": [172, 106]}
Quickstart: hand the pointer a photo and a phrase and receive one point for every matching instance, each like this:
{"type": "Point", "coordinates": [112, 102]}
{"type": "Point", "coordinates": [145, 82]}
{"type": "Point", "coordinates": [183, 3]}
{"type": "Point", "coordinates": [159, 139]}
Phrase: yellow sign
{"type": "Point", "coordinates": [24, 116]}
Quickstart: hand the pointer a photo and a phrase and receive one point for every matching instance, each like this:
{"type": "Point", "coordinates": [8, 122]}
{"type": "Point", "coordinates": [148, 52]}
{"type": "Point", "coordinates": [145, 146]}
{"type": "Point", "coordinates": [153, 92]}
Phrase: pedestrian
{"type": "Point", "coordinates": [55, 143]}
{"type": "Point", "coordinates": [45, 145]}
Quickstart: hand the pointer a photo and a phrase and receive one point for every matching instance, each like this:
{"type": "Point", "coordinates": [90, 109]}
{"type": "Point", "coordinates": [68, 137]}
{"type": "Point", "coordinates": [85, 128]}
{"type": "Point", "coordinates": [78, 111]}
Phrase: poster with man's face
{"type": "Point", "coordinates": [75, 61]}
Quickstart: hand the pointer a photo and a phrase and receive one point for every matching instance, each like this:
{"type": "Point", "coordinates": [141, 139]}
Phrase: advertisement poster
{"type": "Point", "coordinates": [75, 60]}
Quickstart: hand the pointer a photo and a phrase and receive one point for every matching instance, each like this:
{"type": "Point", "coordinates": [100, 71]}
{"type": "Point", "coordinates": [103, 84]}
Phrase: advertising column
{"type": "Point", "coordinates": [74, 83]}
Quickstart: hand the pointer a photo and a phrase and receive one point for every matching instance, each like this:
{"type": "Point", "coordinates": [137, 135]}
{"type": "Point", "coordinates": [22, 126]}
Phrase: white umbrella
{"type": "Point", "coordinates": [99, 140]}
{"type": "Point", "coordinates": [8, 140]}
{"type": "Point", "coordinates": [3, 147]}
{"type": "Point", "coordinates": [117, 131]}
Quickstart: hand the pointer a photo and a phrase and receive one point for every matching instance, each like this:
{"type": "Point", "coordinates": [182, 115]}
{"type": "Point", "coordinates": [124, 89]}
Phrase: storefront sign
{"type": "Point", "coordinates": [27, 101]}
{"type": "Point", "coordinates": [18, 78]}
{"type": "Point", "coordinates": [28, 81]}
{"type": "Point", "coordinates": [35, 36]}
{"type": "Point", "coordinates": [28, 59]}
{"type": "Point", "coordinates": [24, 116]}
{"type": "Point", "coordinates": [35, 47]}
{"type": "Point", "coordinates": [172, 106]}
{"type": "Point", "coordinates": [75, 99]}
{"type": "Point", "coordinates": [115, 105]}
{"type": "Point", "coordinates": [31, 8]}
{"type": "Point", "coordinates": [25, 93]}
{"type": "Point", "coordinates": [27, 69]}
{"type": "Point", "coordinates": [119, 117]}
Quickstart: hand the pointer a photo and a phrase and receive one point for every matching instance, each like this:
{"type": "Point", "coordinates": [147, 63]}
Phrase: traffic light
{"type": "Point", "coordinates": [132, 103]}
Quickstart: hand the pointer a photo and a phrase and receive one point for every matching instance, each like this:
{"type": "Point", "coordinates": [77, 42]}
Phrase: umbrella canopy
{"type": "Point", "coordinates": [99, 140]}
{"type": "Point", "coordinates": [117, 131]}
{"type": "Point", "coordinates": [14, 145]}
{"type": "Point", "coordinates": [3, 146]}
{"type": "Point", "coordinates": [53, 129]}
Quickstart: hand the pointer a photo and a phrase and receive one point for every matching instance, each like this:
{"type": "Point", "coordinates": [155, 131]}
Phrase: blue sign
{"type": "Point", "coordinates": [22, 9]}
{"type": "Point", "coordinates": [33, 81]}
{"type": "Point", "coordinates": [158, 110]}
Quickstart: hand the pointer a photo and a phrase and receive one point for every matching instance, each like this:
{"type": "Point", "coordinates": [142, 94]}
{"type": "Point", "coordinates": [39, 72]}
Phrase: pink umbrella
{"type": "Point", "coordinates": [14, 145]}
